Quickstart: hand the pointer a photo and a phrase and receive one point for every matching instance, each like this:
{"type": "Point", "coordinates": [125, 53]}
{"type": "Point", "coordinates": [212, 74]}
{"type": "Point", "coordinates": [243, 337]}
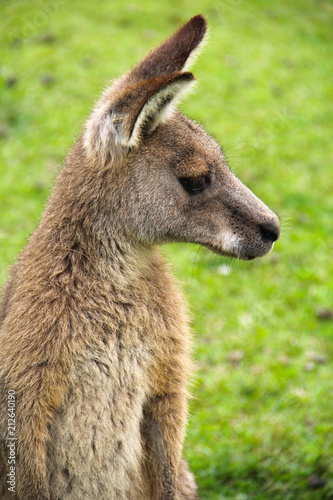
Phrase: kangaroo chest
{"type": "Point", "coordinates": [95, 440]}
{"type": "Point", "coordinates": [95, 446]}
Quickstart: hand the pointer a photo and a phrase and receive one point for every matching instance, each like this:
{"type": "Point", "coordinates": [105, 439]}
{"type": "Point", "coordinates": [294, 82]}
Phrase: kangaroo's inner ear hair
{"type": "Point", "coordinates": [157, 108]}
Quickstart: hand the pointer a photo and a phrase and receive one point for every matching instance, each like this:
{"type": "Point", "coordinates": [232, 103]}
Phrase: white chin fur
{"type": "Point", "coordinates": [230, 243]}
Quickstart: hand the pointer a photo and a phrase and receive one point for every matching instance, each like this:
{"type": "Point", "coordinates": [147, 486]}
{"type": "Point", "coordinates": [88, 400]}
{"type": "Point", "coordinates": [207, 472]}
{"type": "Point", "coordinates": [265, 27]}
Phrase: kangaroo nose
{"type": "Point", "coordinates": [269, 231]}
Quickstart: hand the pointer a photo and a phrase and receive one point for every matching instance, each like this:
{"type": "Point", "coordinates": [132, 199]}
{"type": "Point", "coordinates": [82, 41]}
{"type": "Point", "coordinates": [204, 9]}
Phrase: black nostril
{"type": "Point", "coordinates": [269, 231]}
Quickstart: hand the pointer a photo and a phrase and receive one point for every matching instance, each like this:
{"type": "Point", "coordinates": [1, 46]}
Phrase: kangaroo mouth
{"type": "Point", "coordinates": [250, 242]}
{"type": "Point", "coordinates": [243, 250]}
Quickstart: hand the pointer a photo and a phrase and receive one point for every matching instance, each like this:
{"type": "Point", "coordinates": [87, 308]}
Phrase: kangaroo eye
{"type": "Point", "coordinates": [194, 184]}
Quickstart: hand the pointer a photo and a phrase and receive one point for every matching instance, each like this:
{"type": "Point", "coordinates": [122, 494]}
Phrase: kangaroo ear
{"type": "Point", "coordinates": [149, 92]}
{"type": "Point", "coordinates": [142, 109]}
{"type": "Point", "coordinates": [134, 105]}
{"type": "Point", "coordinates": [172, 55]}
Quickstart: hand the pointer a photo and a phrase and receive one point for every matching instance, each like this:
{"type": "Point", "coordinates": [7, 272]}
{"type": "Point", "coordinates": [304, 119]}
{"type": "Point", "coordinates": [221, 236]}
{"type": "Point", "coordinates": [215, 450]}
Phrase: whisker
{"type": "Point", "coordinates": [195, 260]}
{"type": "Point", "coordinates": [206, 252]}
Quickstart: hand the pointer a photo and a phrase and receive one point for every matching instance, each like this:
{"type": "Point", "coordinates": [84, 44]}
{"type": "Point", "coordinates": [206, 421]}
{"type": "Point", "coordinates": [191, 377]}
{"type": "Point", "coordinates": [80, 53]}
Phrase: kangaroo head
{"type": "Point", "coordinates": [172, 179]}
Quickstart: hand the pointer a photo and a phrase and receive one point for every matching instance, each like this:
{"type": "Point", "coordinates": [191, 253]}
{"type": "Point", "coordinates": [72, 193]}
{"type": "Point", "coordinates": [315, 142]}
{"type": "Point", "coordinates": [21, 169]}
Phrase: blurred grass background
{"type": "Point", "coordinates": [261, 421]}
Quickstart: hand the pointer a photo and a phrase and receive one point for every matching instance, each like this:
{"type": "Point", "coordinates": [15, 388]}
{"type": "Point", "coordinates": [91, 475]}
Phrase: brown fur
{"type": "Point", "coordinates": [94, 335]}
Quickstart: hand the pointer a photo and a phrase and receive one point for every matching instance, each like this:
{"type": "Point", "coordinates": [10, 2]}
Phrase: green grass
{"type": "Point", "coordinates": [261, 421]}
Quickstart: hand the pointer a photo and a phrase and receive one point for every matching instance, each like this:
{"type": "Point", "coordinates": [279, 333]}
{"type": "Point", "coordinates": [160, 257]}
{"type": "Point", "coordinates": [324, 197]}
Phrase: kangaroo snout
{"type": "Point", "coordinates": [253, 225]}
{"type": "Point", "coordinates": [242, 225]}
{"type": "Point", "coordinates": [259, 238]}
{"type": "Point", "coordinates": [269, 231]}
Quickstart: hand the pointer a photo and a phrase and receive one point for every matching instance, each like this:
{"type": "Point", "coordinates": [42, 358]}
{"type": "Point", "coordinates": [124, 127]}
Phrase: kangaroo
{"type": "Point", "coordinates": [95, 340]}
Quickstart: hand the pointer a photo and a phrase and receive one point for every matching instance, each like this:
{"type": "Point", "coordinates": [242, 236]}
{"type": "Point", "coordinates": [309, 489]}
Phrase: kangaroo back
{"type": "Point", "coordinates": [94, 337]}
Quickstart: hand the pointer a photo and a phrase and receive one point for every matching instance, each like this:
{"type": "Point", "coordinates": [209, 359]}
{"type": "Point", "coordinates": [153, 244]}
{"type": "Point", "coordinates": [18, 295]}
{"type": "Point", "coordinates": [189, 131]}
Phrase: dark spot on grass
{"type": "Point", "coordinates": [47, 38]}
{"type": "Point", "coordinates": [11, 81]}
{"type": "Point", "coordinates": [47, 80]}
{"type": "Point", "coordinates": [316, 482]}
{"type": "Point", "coordinates": [325, 314]}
